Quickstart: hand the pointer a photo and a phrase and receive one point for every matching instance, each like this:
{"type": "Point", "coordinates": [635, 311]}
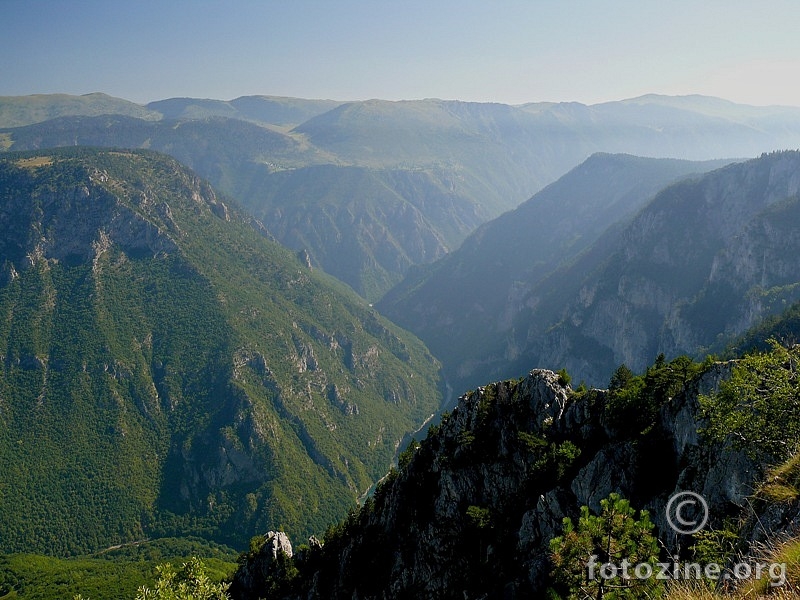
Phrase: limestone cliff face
{"type": "Point", "coordinates": [705, 260]}
{"type": "Point", "coordinates": [470, 514]}
{"type": "Point", "coordinates": [704, 239]}
{"type": "Point", "coordinates": [682, 269]}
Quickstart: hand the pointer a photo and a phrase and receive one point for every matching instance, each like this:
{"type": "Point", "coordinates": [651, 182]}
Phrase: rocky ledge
{"type": "Point", "coordinates": [471, 510]}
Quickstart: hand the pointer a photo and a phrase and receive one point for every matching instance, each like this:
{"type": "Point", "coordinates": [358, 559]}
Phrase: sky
{"type": "Point", "coordinates": [507, 51]}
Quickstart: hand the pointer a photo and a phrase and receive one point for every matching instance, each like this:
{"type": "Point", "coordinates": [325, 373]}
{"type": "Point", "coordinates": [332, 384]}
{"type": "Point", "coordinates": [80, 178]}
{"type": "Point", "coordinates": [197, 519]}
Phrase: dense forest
{"type": "Point", "coordinates": [169, 370]}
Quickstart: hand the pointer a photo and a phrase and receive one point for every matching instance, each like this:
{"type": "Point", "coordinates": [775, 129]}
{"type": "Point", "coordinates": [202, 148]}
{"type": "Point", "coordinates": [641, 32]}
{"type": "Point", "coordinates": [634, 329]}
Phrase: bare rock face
{"type": "Point", "coordinates": [79, 224]}
{"type": "Point", "coordinates": [266, 562]}
{"type": "Point", "coordinates": [278, 542]}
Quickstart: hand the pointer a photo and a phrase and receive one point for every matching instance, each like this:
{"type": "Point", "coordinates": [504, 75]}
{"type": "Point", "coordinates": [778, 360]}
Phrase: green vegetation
{"type": "Point", "coordinates": [782, 482]}
{"type": "Point", "coordinates": [614, 537]}
{"type": "Point", "coordinates": [634, 400]}
{"type": "Point", "coordinates": [167, 370]}
{"type": "Point", "coordinates": [779, 585]}
{"type": "Point", "coordinates": [784, 553]}
{"type": "Point", "coordinates": [406, 455]}
{"type": "Point", "coordinates": [758, 407]}
{"type": "Point", "coordinates": [783, 327]}
{"type": "Point", "coordinates": [564, 378]}
{"type": "Point", "coordinates": [481, 537]}
{"type": "Point", "coordinates": [114, 574]}
{"type": "Point", "coordinates": [190, 582]}
{"type": "Point", "coordinates": [716, 546]}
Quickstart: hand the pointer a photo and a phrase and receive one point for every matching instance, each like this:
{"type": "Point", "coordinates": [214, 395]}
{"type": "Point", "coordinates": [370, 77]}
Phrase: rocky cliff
{"type": "Point", "coordinates": [703, 262]}
{"type": "Point", "coordinates": [471, 510]}
{"type": "Point", "coordinates": [464, 303]}
{"type": "Point", "coordinates": [685, 271]}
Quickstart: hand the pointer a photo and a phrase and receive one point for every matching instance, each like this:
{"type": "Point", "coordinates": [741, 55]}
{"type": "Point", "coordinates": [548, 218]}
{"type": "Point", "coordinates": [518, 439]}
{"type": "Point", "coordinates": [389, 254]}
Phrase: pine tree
{"type": "Point", "coordinates": [608, 556]}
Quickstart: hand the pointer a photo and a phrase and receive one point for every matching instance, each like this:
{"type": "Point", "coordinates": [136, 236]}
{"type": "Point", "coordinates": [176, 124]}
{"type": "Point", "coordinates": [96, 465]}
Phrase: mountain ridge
{"type": "Point", "coordinates": [479, 159]}
{"type": "Point", "coordinates": [694, 307]}
{"type": "Point", "coordinates": [168, 369]}
{"type": "Point", "coordinates": [472, 297]}
{"type": "Point", "coordinates": [472, 508]}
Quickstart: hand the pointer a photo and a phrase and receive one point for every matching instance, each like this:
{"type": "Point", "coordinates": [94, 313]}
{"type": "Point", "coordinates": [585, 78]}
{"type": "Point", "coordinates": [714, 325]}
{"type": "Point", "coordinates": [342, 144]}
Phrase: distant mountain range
{"type": "Point", "coordinates": [167, 369]}
{"type": "Point", "coordinates": [403, 183]}
{"type": "Point", "coordinates": [598, 270]}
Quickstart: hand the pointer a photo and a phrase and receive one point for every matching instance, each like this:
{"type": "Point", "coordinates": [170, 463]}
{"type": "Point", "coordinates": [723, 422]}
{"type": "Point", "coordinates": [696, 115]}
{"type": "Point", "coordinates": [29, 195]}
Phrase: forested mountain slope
{"type": "Point", "coordinates": [168, 369]}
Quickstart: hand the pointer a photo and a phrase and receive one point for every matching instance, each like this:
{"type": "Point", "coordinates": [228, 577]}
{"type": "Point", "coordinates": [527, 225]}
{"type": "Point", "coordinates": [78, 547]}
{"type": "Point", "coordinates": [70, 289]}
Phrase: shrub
{"type": "Point", "coordinates": [759, 406]}
{"type": "Point", "coordinates": [614, 536]}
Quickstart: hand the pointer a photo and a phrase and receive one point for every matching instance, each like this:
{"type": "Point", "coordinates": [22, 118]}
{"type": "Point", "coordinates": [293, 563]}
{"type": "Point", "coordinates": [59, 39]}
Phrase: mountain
{"type": "Point", "coordinates": [450, 165]}
{"type": "Point", "coordinates": [783, 327]}
{"type": "Point", "coordinates": [491, 149]}
{"type": "Point", "coordinates": [704, 261]}
{"type": "Point", "coordinates": [690, 127]}
{"type": "Point", "coordinates": [266, 110]}
{"type": "Point", "coordinates": [472, 509]}
{"type": "Point", "coordinates": [761, 117]}
{"type": "Point", "coordinates": [366, 226]}
{"type": "Point", "coordinates": [385, 220]}
{"type": "Point", "coordinates": [225, 149]}
{"type": "Point", "coordinates": [466, 301]}
{"type": "Point", "coordinates": [168, 369]}
{"type": "Point", "coordinates": [16, 111]}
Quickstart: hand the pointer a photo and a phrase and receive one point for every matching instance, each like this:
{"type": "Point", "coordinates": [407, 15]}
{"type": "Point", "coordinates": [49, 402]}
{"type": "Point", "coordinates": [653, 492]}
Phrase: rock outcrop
{"type": "Point", "coordinates": [472, 510]}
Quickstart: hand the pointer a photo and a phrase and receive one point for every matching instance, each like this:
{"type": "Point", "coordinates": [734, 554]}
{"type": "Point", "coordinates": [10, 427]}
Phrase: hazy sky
{"type": "Point", "coordinates": [505, 51]}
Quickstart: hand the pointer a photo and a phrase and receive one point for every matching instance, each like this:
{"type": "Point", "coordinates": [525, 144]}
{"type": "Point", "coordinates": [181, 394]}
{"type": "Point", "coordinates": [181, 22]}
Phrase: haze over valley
{"type": "Point", "coordinates": [304, 300]}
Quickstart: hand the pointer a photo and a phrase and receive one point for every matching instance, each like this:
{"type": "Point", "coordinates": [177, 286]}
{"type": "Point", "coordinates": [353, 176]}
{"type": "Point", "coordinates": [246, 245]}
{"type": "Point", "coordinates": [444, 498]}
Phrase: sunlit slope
{"type": "Point", "coordinates": [168, 369]}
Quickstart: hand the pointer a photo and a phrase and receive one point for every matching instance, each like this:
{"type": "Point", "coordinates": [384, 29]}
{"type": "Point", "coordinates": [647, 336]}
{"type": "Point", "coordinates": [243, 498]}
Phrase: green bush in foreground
{"type": "Point", "coordinates": [190, 582]}
{"type": "Point", "coordinates": [615, 536]}
{"type": "Point", "coordinates": [759, 406]}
